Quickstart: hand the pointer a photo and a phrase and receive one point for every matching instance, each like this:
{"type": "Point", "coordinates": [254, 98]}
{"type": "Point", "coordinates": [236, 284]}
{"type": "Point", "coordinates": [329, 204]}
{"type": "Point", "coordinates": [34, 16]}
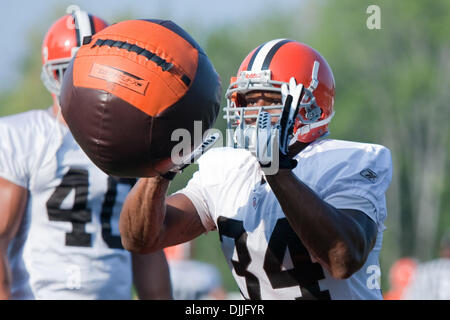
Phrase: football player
{"type": "Point", "coordinates": [304, 221]}
{"type": "Point", "coordinates": [59, 213]}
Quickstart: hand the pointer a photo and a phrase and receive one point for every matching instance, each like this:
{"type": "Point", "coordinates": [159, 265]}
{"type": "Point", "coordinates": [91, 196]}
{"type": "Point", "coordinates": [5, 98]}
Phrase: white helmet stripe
{"type": "Point", "coordinates": [82, 25]}
{"type": "Point", "coordinates": [262, 54]}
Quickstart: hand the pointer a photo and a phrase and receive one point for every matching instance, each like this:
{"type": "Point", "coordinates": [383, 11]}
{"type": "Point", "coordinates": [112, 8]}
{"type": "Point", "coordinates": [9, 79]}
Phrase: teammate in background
{"type": "Point", "coordinates": [400, 275]}
{"type": "Point", "coordinates": [59, 213]}
{"type": "Point", "coordinates": [192, 279]}
{"type": "Point", "coordinates": [431, 280]}
{"type": "Point", "coordinates": [313, 228]}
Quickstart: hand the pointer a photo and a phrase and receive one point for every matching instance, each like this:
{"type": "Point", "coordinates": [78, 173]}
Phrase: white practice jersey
{"type": "Point", "coordinates": [68, 244]}
{"type": "Point", "coordinates": [267, 258]}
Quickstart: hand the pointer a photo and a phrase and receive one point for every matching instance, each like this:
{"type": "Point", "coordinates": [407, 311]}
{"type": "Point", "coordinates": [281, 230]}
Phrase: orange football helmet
{"type": "Point", "coordinates": [270, 65]}
{"type": "Point", "coordinates": [62, 41]}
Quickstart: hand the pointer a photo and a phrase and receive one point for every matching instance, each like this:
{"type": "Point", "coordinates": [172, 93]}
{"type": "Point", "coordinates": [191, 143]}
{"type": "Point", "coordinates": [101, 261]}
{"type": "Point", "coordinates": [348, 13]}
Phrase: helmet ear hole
{"type": "Point", "coordinates": [302, 114]}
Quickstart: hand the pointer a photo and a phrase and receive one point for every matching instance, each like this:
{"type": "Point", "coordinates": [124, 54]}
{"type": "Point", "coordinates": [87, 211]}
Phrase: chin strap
{"type": "Point", "coordinates": [308, 127]}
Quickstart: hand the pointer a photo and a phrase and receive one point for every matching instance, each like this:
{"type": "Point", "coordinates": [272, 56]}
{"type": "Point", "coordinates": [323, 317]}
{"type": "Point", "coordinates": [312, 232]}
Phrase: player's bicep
{"type": "Point", "coordinates": [182, 222]}
{"type": "Point", "coordinates": [13, 199]}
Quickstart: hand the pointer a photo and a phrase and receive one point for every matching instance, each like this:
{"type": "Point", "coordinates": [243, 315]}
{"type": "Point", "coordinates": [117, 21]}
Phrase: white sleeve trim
{"type": "Point", "coordinates": [201, 207]}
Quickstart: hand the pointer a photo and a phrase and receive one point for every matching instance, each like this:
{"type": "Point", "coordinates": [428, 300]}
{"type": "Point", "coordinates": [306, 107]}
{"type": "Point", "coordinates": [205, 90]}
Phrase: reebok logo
{"type": "Point", "coordinates": [369, 175]}
{"type": "Point", "coordinates": [123, 79]}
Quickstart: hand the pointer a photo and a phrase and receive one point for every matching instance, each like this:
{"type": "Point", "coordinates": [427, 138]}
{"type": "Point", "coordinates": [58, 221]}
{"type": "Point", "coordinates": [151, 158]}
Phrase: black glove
{"type": "Point", "coordinates": [273, 141]}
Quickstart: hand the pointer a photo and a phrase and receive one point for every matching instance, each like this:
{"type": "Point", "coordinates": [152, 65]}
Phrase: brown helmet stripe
{"type": "Point", "coordinates": [271, 53]}
{"type": "Point", "coordinates": [91, 22]}
{"type": "Point", "coordinates": [83, 25]}
{"type": "Point", "coordinates": [250, 64]}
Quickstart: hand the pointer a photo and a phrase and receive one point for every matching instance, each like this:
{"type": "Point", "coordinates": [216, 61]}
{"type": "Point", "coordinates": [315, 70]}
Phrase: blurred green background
{"type": "Point", "coordinates": [392, 88]}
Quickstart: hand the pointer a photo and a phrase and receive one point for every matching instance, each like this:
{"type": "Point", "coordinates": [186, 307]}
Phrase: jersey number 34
{"type": "Point", "coordinates": [304, 273]}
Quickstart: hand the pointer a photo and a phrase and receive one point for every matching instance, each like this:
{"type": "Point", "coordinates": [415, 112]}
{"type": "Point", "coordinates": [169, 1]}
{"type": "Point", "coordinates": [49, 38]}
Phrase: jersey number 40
{"type": "Point", "coordinates": [80, 214]}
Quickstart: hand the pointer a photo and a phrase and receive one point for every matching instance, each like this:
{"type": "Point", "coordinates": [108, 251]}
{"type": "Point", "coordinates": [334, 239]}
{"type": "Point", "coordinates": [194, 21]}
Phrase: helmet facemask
{"type": "Point", "coordinates": [241, 131]}
{"type": "Point", "coordinates": [52, 74]}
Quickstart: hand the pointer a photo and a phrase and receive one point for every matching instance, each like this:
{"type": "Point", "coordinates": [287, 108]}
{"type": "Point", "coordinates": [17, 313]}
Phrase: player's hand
{"type": "Point", "coordinates": [192, 157]}
{"type": "Point", "coordinates": [273, 141]}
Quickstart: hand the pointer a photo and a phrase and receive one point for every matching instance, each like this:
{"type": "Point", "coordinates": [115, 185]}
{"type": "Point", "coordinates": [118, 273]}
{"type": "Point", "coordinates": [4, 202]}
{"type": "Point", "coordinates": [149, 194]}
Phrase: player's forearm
{"type": "Point", "coordinates": [143, 214]}
{"type": "Point", "coordinates": [5, 277]}
{"type": "Point", "coordinates": [151, 276]}
{"type": "Point", "coordinates": [328, 235]}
